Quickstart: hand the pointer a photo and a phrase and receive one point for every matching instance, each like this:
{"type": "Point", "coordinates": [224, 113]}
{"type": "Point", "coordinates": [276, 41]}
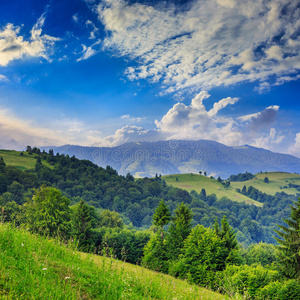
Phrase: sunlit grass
{"type": "Point", "coordinates": [278, 182]}
{"type": "Point", "coordinates": [198, 182]}
{"type": "Point", "coordinates": [32, 267]}
{"type": "Point", "coordinates": [23, 162]}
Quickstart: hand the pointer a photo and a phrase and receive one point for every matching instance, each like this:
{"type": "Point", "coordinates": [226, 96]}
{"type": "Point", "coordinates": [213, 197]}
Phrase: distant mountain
{"type": "Point", "coordinates": [182, 156]}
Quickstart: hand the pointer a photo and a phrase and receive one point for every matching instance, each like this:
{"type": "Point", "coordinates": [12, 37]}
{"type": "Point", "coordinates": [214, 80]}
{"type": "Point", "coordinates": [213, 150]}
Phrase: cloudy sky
{"type": "Point", "coordinates": [113, 71]}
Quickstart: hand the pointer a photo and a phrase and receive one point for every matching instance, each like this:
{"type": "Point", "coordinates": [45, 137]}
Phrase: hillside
{"type": "Point", "coordinates": [278, 182]}
{"type": "Point", "coordinates": [24, 161]}
{"type": "Point", "coordinates": [32, 266]}
{"type": "Point", "coordinates": [198, 182]}
{"type": "Point", "coordinates": [182, 156]}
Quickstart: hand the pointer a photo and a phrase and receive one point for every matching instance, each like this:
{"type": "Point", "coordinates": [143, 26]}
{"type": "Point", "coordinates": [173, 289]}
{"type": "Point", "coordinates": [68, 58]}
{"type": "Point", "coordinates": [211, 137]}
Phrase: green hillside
{"type": "Point", "coordinates": [278, 182]}
{"type": "Point", "coordinates": [31, 266]}
{"type": "Point", "coordinates": [197, 182]}
{"type": "Point", "coordinates": [24, 162]}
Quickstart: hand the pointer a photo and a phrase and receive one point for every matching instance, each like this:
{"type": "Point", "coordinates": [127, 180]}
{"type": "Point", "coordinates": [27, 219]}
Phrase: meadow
{"type": "Point", "coordinates": [23, 162]}
{"type": "Point", "coordinates": [34, 267]}
{"type": "Point", "coordinates": [198, 182]}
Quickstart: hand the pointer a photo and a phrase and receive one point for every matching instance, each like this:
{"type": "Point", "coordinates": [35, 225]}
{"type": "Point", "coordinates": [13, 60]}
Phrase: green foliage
{"type": "Point", "coordinates": [110, 219]}
{"type": "Point", "coordinates": [156, 254]}
{"type": "Point", "coordinates": [289, 252]}
{"type": "Point", "coordinates": [48, 212]}
{"type": "Point", "coordinates": [162, 216]}
{"type": "Point", "coordinates": [262, 253]}
{"type": "Point", "coordinates": [82, 224]}
{"type": "Point", "coordinates": [245, 280]}
{"type": "Point", "coordinates": [241, 177]}
{"type": "Point", "coordinates": [266, 180]}
{"type": "Point", "coordinates": [204, 253]}
{"type": "Point", "coordinates": [179, 230]}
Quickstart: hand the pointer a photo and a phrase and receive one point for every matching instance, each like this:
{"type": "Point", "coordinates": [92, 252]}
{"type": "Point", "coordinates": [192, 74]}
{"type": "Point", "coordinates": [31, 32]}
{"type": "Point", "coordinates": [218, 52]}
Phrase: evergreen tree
{"type": "Point", "coordinates": [162, 216]}
{"type": "Point", "coordinates": [179, 230]}
{"type": "Point", "coordinates": [228, 235]}
{"type": "Point", "coordinates": [289, 248]}
{"type": "Point", "coordinates": [202, 194]}
{"type": "Point", "coordinates": [82, 225]}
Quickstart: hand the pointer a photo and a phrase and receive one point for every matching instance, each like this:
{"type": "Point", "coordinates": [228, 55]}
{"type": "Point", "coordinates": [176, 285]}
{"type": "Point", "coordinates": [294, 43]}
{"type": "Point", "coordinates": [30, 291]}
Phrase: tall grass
{"type": "Point", "coordinates": [33, 267]}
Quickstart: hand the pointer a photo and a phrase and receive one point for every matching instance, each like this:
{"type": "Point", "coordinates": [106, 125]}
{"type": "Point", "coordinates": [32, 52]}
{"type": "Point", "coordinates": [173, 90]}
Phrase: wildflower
{"type": "Point", "coordinates": [22, 245]}
{"type": "Point", "coordinates": [44, 269]}
{"type": "Point", "coordinates": [67, 277]}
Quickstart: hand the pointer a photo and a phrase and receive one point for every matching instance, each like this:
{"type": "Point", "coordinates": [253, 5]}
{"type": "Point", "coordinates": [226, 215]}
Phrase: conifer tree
{"type": "Point", "coordinates": [227, 234]}
{"type": "Point", "coordinates": [82, 225]}
{"type": "Point", "coordinates": [162, 216]}
{"type": "Point", "coordinates": [179, 230]}
{"type": "Point", "coordinates": [289, 245]}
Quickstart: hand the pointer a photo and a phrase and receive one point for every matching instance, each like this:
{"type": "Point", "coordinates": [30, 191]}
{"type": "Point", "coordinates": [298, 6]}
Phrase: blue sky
{"type": "Point", "coordinates": [102, 73]}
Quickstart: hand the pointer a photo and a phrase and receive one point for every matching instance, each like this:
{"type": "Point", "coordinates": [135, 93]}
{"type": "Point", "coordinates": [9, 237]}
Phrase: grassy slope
{"type": "Point", "coordinates": [197, 182]}
{"type": "Point", "coordinates": [24, 162]}
{"type": "Point", "coordinates": [32, 267]}
{"type": "Point", "coordinates": [276, 180]}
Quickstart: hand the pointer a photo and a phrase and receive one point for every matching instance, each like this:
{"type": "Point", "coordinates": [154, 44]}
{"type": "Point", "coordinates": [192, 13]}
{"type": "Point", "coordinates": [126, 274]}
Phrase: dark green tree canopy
{"type": "Point", "coordinates": [289, 244]}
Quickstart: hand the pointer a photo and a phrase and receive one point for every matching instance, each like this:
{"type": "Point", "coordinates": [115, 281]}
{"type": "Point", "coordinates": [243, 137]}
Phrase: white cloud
{"type": "Point", "coordinates": [295, 148]}
{"type": "Point", "coordinates": [130, 134]}
{"type": "Point", "coordinates": [3, 78]}
{"type": "Point", "coordinates": [131, 119]}
{"type": "Point", "coordinates": [13, 45]}
{"type": "Point", "coordinates": [211, 43]}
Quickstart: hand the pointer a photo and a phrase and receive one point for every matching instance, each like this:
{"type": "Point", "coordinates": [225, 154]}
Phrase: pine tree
{"type": "Point", "coordinates": [227, 234]}
{"type": "Point", "coordinates": [179, 230]}
{"type": "Point", "coordinates": [82, 225]}
{"type": "Point", "coordinates": [162, 216]}
{"type": "Point", "coordinates": [289, 248]}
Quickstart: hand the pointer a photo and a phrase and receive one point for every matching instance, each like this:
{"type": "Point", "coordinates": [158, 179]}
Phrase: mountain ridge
{"type": "Point", "coordinates": [183, 156]}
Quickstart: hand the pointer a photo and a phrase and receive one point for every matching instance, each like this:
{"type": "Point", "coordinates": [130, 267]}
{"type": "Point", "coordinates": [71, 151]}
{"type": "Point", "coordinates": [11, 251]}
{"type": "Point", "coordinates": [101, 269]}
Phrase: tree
{"type": "Point", "coordinates": [82, 225]}
{"type": "Point", "coordinates": [48, 212]}
{"type": "Point", "coordinates": [204, 253]}
{"type": "Point", "coordinates": [110, 219]}
{"type": "Point", "coordinates": [289, 245]}
{"type": "Point", "coordinates": [200, 172]}
{"type": "Point", "coordinates": [162, 216]}
{"type": "Point", "coordinates": [266, 180]}
{"type": "Point", "coordinates": [202, 194]}
{"type": "Point", "coordinates": [228, 235]}
{"type": "Point", "coordinates": [204, 173]}
{"type": "Point", "coordinates": [179, 230]}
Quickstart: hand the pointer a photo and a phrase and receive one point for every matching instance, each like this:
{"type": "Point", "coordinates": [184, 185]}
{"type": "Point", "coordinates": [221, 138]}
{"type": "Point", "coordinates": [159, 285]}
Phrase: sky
{"type": "Point", "coordinates": [102, 73]}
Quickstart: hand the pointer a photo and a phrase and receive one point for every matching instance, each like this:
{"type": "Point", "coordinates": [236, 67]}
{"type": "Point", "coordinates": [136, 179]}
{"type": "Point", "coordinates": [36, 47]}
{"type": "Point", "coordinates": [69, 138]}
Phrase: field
{"type": "Point", "coordinates": [32, 267]}
{"type": "Point", "coordinates": [278, 182]}
{"type": "Point", "coordinates": [23, 162]}
{"type": "Point", "coordinates": [198, 182]}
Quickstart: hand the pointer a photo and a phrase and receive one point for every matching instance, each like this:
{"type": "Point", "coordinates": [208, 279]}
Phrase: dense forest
{"type": "Point", "coordinates": [163, 228]}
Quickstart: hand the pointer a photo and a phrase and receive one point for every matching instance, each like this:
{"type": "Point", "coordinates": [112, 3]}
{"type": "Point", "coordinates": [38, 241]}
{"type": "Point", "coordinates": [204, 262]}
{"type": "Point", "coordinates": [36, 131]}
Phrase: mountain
{"type": "Point", "coordinates": [183, 156]}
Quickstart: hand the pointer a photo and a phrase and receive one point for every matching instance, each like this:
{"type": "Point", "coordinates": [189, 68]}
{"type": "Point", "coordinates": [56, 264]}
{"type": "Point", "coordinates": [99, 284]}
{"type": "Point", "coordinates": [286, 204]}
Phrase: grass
{"type": "Point", "coordinates": [33, 267]}
{"type": "Point", "coordinates": [23, 162]}
{"type": "Point", "coordinates": [198, 182]}
{"type": "Point", "coordinates": [278, 182]}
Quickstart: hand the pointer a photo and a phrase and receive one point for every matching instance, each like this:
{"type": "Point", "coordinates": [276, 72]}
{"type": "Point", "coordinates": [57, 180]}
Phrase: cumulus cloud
{"type": "Point", "coordinates": [194, 121]}
{"type": "Point", "coordinates": [130, 134]}
{"type": "Point", "coordinates": [13, 45]}
{"type": "Point", "coordinates": [209, 43]}
{"type": "Point", "coordinates": [295, 148]}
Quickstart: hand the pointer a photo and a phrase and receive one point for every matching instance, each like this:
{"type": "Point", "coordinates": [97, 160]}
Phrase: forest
{"type": "Point", "coordinates": [227, 246]}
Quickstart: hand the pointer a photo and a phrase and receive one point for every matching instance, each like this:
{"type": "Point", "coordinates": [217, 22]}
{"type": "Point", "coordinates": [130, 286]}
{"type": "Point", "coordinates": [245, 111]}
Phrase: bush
{"type": "Point", "coordinates": [246, 280]}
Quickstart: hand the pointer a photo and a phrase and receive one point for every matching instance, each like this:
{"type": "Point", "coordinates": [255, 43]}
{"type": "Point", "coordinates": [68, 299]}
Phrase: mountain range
{"type": "Point", "coordinates": [183, 156]}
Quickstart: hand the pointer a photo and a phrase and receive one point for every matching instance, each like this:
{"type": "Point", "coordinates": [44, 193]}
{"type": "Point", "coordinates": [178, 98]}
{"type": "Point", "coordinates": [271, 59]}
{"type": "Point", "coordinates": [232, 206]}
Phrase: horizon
{"type": "Point", "coordinates": [105, 73]}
